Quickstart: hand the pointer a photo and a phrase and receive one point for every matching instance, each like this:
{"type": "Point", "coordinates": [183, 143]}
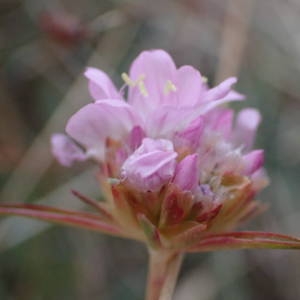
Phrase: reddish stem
{"type": "Point", "coordinates": [163, 271]}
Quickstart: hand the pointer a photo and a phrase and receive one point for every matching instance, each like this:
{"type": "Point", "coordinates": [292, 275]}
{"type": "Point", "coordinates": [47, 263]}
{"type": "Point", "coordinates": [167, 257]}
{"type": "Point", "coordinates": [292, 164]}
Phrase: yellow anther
{"type": "Point", "coordinates": [139, 82]}
{"type": "Point", "coordinates": [169, 87]}
{"type": "Point", "coordinates": [204, 79]}
{"type": "Point", "coordinates": [127, 79]}
{"type": "Point", "coordinates": [142, 88]}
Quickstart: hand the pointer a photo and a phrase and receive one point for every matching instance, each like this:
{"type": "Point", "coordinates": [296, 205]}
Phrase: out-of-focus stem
{"type": "Point", "coordinates": [234, 37]}
{"type": "Point", "coordinates": [163, 271]}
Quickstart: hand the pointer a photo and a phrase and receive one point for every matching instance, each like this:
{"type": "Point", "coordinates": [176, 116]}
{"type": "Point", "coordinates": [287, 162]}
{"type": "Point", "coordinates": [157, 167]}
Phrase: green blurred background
{"type": "Point", "coordinates": [44, 48]}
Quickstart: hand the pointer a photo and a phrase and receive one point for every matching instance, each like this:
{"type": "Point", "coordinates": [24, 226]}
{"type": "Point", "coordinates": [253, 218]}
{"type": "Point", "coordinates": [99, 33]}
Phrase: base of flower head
{"type": "Point", "coordinates": [174, 219]}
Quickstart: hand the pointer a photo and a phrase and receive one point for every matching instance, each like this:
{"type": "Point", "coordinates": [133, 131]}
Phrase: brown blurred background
{"type": "Point", "coordinates": [44, 48]}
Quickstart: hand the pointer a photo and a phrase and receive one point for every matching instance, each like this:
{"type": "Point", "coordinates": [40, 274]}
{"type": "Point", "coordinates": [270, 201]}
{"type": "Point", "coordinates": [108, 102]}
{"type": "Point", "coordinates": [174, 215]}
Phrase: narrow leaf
{"type": "Point", "coordinates": [93, 203]}
{"type": "Point", "coordinates": [50, 209]}
{"type": "Point", "coordinates": [256, 234]}
{"type": "Point", "coordinates": [245, 240]}
{"type": "Point", "coordinates": [69, 218]}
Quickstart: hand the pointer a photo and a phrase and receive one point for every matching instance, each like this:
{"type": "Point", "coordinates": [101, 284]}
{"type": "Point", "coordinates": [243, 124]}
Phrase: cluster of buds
{"type": "Point", "coordinates": [176, 166]}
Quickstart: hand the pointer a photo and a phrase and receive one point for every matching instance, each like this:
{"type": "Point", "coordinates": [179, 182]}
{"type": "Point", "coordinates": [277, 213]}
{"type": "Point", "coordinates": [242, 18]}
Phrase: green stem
{"type": "Point", "coordinates": [163, 271]}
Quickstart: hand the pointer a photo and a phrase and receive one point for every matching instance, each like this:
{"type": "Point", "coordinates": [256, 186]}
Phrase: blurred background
{"type": "Point", "coordinates": [44, 48]}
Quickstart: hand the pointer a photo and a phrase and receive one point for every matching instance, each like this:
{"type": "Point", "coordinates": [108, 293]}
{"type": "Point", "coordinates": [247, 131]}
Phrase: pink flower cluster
{"type": "Point", "coordinates": [172, 129]}
{"type": "Point", "coordinates": [176, 166]}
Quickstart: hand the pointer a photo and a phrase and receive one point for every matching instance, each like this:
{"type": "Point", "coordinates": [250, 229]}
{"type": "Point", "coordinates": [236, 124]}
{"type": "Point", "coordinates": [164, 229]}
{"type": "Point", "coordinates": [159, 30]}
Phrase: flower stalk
{"type": "Point", "coordinates": [164, 267]}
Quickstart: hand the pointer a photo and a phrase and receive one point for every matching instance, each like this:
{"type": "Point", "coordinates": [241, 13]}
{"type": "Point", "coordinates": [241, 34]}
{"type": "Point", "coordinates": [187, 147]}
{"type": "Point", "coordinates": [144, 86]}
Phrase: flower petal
{"type": "Point", "coordinates": [253, 161]}
{"type": "Point", "coordinates": [135, 137]}
{"type": "Point", "coordinates": [245, 128]}
{"type": "Point", "coordinates": [189, 87]}
{"type": "Point", "coordinates": [65, 150]}
{"type": "Point", "coordinates": [190, 137]}
{"type": "Point", "coordinates": [157, 67]}
{"type": "Point", "coordinates": [233, 96]}
{"type": "Point", "coordinates": [100, 85]}
{"type": "Point", "coordinates": [165, 121]}
{"type": "Point", "coordinates": [187, 173]}
{"type": "Point", "coordinates": [221, 121]}
{"type": "Point", "coordinates": [220, 94]}
{"type": "Point", "coordinates": [220, 91]}
{"type": "Point", "coordinates": [91, 125]}
{"type": "Point", "coordinates": [151, 166]}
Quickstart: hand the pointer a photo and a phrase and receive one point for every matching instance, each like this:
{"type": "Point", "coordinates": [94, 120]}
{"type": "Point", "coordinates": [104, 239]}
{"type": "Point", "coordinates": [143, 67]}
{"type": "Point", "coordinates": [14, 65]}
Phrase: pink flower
{"type": "Point", "coordinates": [172, 141]}
{"type": "Point", "coordinates": [171, 136]}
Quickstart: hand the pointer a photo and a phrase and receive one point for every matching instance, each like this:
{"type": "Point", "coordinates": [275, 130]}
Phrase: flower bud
{"type": "Point", "coordinates": [151, 166]}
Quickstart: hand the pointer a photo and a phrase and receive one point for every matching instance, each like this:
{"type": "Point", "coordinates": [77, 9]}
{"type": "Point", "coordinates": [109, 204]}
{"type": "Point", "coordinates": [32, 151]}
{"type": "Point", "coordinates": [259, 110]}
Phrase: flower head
{"type": "Point", "coordinates": [178, 169]}
{"type": "Point", "coordinates": [179, 160]}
